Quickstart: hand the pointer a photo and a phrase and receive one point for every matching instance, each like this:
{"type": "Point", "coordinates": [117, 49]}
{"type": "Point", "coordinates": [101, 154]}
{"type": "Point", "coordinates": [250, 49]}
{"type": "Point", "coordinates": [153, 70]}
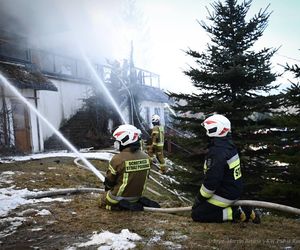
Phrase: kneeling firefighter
{"type": "Point", "coordinates": [222, 184]}
{"type": "Point", "coordinates": [127, 173]}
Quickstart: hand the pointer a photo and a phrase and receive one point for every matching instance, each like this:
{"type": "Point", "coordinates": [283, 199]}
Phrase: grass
{"type": "Point", "coordinates": [74, 221]}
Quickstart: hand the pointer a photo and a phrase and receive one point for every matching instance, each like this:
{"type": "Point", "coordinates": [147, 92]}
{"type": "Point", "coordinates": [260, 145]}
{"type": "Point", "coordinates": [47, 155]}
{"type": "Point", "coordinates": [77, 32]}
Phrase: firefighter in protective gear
{"type": "Point", "coordinates": [222, 184]}
{"type": "Point", "coordinates": [127, 173]}
{"type": "Point", "coordinates": [157, 143]}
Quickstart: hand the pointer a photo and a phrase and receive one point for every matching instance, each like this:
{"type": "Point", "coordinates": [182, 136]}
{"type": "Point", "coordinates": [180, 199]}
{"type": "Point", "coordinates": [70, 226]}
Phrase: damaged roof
{"type": "Point", "coordinates": [26, 76]}
{"type": "Point", "coordinates": [148, 93]}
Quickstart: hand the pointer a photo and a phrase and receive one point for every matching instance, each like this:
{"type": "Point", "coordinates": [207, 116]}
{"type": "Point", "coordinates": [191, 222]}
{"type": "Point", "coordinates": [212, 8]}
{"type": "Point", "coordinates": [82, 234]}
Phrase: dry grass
{"type": "Point", "coordinates": [73, 222]}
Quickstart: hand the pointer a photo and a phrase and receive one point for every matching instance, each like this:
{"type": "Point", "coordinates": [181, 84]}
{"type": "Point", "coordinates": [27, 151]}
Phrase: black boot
{"type": "Point", "coordinates": [238, 215]}
{"type": "Point", "coordinates": [251, 214]}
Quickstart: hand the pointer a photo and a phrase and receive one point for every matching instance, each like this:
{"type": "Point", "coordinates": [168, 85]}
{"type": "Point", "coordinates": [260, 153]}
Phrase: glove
{"type": "Point", "coordinates": [108, 185]}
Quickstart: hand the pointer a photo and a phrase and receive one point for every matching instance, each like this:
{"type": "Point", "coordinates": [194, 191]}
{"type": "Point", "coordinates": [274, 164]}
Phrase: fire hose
{"type": "Point", "coordinates": [253, 203]}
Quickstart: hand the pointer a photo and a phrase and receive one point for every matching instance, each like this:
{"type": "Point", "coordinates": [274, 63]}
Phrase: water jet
{"type": "Point", "coordinates": [7, 84]}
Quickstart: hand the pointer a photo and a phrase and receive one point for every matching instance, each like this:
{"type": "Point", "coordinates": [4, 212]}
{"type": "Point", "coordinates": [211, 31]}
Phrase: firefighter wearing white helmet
{"type": "Point", "coordinates": [127, 172]}
{"type": "Point", "coordinates": [217, 126]}
{"type": "Point", "coordinates": [156, 147]}
{"type": "Point", "coordinates": [222, 184]}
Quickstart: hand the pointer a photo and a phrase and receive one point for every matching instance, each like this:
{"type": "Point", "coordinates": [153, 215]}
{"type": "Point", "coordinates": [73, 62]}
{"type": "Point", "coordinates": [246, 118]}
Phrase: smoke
{"type": "Point", "coordinates": [58, 25]}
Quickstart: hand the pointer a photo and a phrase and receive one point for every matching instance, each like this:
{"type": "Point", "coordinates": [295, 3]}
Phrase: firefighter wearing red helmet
{"type": "Point", "coordinates": [127, 172]}
{"type": "Point", "coordinates": [222, 184]}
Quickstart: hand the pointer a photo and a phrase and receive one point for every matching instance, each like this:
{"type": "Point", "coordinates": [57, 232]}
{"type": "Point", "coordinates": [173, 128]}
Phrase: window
{"type": "Point", "coordinates": [157, 111]}
{"type": "Point", "coordinates": [147, 115]}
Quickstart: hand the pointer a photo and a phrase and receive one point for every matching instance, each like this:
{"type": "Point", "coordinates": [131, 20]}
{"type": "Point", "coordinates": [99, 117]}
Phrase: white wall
{"type": "Point", "coordinates": [61, 105]}
{"type": "Point", "coordinates": [152, 106]}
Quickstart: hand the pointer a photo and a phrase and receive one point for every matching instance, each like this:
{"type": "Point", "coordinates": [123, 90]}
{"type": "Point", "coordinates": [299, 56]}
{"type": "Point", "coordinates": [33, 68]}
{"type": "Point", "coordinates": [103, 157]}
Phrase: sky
{"type": "Point", "coordinates": [161, 32]}
{"type": "Point", "coordinates": [175, 28]}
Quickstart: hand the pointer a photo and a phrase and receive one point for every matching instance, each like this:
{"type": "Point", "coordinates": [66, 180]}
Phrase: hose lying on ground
{"type": "Point", "coordinates": [261, 204]}
{"type": "Point", "coordinates": [65, 191]}
{"type": "Point", "coordinates": [252, 203]}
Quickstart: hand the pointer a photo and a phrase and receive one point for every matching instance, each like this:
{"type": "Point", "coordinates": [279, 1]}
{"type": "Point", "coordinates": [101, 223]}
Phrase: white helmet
{"type": "Point", "coordinates": [217, 126]}
{"type": "Point", "coordinates": [127, 134]}
{"type": "Point", "coordinates": [155, 118]}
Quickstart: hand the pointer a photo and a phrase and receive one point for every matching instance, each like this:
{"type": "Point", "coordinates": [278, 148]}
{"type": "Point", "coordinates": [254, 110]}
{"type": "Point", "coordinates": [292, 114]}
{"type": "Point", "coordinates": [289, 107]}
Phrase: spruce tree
{"type": "Point", "coordinates": [234, 80]}
{"type": "Point", "coordinates": [287, 149]}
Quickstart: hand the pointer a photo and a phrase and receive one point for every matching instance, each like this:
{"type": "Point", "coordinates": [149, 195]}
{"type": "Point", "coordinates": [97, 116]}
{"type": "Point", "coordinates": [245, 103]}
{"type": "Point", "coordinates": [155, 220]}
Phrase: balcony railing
{"type": "Point", "coordinates": [67, 67]}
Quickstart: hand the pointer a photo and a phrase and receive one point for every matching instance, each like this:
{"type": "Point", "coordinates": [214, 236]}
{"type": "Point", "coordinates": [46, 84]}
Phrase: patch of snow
{"type": "Point", "coordinates": [7, 173]}
{"type": "Point", "coordinates": [157, 236]}
{"type": "Point", "coordinates": [46, 199]}
{"type": "Point", "coordinates": [161, 233]}
{"type": "Point", "coordinates": [155, 239]}
{"type": "Point", "coordinates": [278, 163]}
{"type": "Point", "coordinates": [254, 148]}
{"type": "Point", "coordinates": [13, 222]}
{"type": "Point", "coordinates": [44, 212]}
{"type": "Point", "coordinates": [163, 221]}
{"type": "Point", "coordinates": [11, 198]}
{"type": "Point", "coordinates": [36, 229]}
{"type": "Point", "coordinates": [5, 177]}
{"type": "Point", "coordinates": [108, 240]}
{"type": "Point", "coordinates": [92, 155]}
{"type": "Point", "coordinates": [180, 237]}
{"type": "Point", "coordinates": [27, 212]}
{"type": "Point", "coordinates": [70, 248]}
{"type": "Point", "coordinates": [171, 245]}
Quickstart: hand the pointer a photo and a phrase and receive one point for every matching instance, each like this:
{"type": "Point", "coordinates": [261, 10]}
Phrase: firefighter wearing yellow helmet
{"type": "Point", "coordinates": [222, 184]}
{"type": "Point", "coordinates": [157, 143]}
{"type": "Point", "coordinates": [127, 173]}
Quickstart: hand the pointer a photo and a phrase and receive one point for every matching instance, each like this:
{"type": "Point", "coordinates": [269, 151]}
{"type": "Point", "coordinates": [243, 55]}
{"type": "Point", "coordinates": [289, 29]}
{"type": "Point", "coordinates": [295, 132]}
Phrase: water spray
{"type": "Point", "coordinates": [132, 103]}
{"type": "Point", "coordinates": [99, 80]}
{"type": "Point", "coordinates": [65, 141]}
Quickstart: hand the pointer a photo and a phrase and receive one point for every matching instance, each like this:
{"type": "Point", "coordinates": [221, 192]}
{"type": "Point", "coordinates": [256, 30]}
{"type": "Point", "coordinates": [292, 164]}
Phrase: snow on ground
{"type": "Point", "coordinates": [88, 155]}
{"type": "Point", "coordinates": [107, 240]}
{"type": "Point", "coordinates": [13, 222]}
{"type": "Point", "coordinates": [43, 212]}
{"type": "Point", "coordinates": [6, 177]}
{"type": "Point", "coordinates": [11, 198]}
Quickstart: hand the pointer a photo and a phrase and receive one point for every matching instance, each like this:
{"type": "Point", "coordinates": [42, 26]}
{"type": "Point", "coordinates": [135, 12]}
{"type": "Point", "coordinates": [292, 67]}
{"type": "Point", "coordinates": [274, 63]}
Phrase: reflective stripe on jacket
{"type": "Point", "coordinates": [129, 171]}
{"type": "Point", "coordinates": [222, 183]}
{"type": "Point", "coordinates": [157, 136]}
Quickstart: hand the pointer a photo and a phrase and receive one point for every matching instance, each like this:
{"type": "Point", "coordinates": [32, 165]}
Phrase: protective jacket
{"type": "Point", "coordinates": [157, 146]}
{"type": "Point", "coordinates": [126, 176]}
{"type": "Point", "coordinates": [157, 136]}
{"type": "Point", "coordinates": [222, 183]}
